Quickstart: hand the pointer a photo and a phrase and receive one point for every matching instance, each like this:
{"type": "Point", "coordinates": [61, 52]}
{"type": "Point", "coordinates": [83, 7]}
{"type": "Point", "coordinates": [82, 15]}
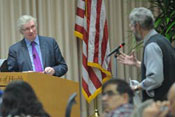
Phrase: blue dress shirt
{"type": "Point", "coordinates": [37, 46]}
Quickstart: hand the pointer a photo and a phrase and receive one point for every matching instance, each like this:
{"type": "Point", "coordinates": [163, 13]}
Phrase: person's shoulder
{"type": "Point", "coordinates": [46, 38]}
{"type": "Point", "coordinates": [18, 44]}
{"type": "Point", "coordinates": [160, 39]}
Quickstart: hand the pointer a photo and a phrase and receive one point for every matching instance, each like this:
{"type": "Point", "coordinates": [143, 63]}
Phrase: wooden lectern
{"type": "Point", "coordinates": [52, 91]}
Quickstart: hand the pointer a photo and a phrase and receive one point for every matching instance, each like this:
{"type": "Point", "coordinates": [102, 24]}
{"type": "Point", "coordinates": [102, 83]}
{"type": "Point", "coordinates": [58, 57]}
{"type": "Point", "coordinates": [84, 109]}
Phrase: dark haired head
{"type": "Point", "coordinates": [122, 87]}
{"type": "Point", "coordinates": [20, 99]}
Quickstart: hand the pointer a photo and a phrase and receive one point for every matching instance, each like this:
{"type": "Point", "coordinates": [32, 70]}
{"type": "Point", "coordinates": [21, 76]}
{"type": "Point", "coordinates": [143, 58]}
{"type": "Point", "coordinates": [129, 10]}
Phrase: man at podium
{"type": "Point", "coordinates": [34, 52]}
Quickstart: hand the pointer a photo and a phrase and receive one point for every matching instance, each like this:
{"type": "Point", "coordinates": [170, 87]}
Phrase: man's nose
{"type": "Point", "coordinates": [31, 30]}
{"type": "Point", "coordinates": [104, 97]}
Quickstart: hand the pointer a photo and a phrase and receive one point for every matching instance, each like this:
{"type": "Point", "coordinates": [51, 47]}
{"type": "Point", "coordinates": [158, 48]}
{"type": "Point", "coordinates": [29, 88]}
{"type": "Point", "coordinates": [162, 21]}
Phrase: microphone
{"type": "Point", "coordinates": [34, 56]}
{"type": "Point", "coordinates": [116, 49]}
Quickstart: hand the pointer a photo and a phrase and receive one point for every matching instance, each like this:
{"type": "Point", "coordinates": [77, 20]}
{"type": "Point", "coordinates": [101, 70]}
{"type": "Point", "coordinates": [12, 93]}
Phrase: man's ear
{"type": "Point", "coordinates": [137, 26]}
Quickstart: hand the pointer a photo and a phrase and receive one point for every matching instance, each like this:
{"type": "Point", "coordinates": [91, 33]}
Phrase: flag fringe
{"type": "Point", "coordinates": [96, 65]}
{"type": "Point", "coordinates": [97, 92]}
{"type": "Point", "coordinates": [78, 34]}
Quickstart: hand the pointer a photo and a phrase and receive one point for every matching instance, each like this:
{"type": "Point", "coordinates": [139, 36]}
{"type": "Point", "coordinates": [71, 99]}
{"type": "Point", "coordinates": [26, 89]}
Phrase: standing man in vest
{"type": "Point", "coordinates": [34, 52]}
{"type": "Point", "coordinates": [158, 61]}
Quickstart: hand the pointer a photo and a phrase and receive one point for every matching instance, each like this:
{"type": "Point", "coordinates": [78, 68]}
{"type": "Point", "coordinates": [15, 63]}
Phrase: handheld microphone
{"type": "Point", "coordinates": [116, 49]}
{"type": "Point", "coordinates": [34, 56]}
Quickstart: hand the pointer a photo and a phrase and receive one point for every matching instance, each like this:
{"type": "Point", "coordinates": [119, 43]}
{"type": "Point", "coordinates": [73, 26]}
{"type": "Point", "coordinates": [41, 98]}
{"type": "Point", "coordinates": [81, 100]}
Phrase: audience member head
{"type": "Point", "coordinates": [156, 109]}
{"type": "Point", "coordinates": [116, 92]}
{"type": "Point", "coordinates": [27, 26]}
{"type": "Point", "coordinates": [19, 99]}
{"type": "Point", "coordinates": [141, 19]}
{"type": "Point", "coordinates": [164, 108]}
{"type": "Point", "coordinates": [171, 99]}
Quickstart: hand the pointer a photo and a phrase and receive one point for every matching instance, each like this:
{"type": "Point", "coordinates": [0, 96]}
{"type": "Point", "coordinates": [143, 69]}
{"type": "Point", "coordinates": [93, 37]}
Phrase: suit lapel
{"type": "Point", "coordinates": [26, 55]}
{"type": "Point", "coordinates": [43, 50]}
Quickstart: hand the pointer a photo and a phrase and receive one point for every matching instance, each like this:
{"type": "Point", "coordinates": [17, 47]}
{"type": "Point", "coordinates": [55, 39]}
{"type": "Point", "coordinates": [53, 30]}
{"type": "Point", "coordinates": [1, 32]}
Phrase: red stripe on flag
{"type": "Point", "coordinates": [80, 12]}
{"type": "Point", "coordinates": [94, 78]}
{"type": "Point", "coordinates": [85, 87]}
{"type": "Point", "coordinates": [84, 61]}
{"type": "Point", "coordinates": [88, 15]}
{"type": "Point", "coordinates": [103, 75]}
{"type": "Point", "coordinates": [79, 28]}
{"type": "Point", "coordinates": [104, 42]}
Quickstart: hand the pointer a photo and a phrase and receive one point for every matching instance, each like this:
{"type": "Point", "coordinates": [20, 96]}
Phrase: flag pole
{"type": "Point", "coordinates": [115, 66]}
{"type": "Point", "coordinates": [96, 112]}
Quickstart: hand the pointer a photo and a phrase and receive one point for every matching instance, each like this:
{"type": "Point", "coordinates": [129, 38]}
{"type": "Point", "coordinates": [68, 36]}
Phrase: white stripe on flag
{"type": "Point", "coordinates": [92, 31]}
{"type": "Point", "coordinates": [91, 86]}
{"type": "Point", "coordinates": [81, 4]}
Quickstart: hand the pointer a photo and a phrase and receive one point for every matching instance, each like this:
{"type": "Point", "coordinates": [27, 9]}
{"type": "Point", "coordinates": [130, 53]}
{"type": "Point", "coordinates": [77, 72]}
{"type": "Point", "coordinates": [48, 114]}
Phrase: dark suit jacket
{"type": "Point", "coordinates": [19, 59]}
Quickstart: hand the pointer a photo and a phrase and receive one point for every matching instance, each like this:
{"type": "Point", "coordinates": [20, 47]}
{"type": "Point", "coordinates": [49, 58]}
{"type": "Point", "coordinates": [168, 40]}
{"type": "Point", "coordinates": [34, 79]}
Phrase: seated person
{"type": "Point", "coordinates": [20, 99]}
{"type": "Point", "coordinates": [164, 108]}
{"type": "Point", "coordinates": [117, 98]}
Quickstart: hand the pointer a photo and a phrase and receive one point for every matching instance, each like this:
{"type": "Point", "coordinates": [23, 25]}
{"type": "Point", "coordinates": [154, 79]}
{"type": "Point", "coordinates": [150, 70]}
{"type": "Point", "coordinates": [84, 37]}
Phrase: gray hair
{"type": "Point", "coordinates": [143, 16]}
{"type": "Point", "coordinates": [24, 20]}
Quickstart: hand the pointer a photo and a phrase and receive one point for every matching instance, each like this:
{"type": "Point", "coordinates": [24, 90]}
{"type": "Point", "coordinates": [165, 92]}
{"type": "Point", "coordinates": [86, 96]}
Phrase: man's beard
{"type": "Point", "coordinates": [138, 37]}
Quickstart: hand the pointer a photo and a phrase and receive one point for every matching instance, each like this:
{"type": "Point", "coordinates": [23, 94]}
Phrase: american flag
{"type": "Point", "coordinates": [91, 27]}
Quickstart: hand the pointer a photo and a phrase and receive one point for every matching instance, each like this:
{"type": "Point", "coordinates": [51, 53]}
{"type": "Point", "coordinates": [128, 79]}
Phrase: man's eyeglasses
{"type": "Point", "coordinates": [109, 93]}
{"type": "Point", "coordinates": [29, 28]}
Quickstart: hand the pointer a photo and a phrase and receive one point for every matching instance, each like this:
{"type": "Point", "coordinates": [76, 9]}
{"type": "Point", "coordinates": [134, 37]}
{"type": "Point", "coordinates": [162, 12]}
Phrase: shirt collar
{"type": "Point", "coordinates": [28, 42]}
{"type": "Point", "coordinates": [150, 34]}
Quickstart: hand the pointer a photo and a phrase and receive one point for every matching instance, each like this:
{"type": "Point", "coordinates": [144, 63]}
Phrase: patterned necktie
{"type": "Point", "coordinates": [36, 59]}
